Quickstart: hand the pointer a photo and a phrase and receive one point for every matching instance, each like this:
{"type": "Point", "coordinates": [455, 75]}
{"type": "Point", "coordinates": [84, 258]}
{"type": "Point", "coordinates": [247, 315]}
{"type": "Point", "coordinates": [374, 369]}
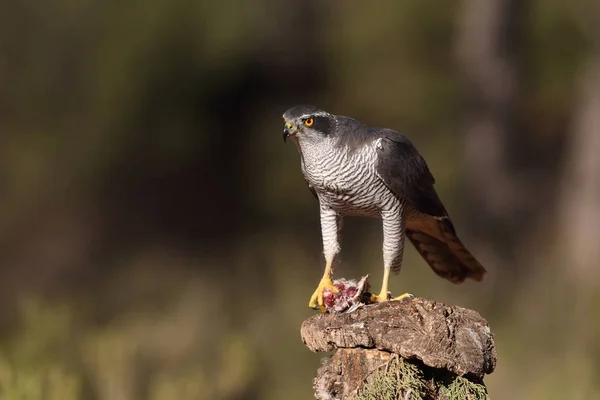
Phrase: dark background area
{"type": "Point", "coordinates": [157, 240]}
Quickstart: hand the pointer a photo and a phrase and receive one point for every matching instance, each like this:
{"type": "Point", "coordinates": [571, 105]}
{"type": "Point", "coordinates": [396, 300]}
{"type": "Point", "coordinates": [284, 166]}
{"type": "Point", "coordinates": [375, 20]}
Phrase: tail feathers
{"type": "Point", "coordinates": [445, 253]}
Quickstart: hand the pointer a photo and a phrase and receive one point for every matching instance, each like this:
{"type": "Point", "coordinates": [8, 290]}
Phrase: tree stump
{"type": "Point", "coordinates": [409, 349]}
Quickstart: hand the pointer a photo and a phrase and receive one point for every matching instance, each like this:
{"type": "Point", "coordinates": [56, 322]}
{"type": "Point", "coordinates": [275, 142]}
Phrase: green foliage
{"type": "Point", "coordinates": [34, 365]}
{"type": "Point", "coordinates": [52, 358]}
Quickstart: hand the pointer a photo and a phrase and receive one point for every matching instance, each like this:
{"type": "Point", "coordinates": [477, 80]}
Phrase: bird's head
{"type": "Point", "coordinates": [307, 123]}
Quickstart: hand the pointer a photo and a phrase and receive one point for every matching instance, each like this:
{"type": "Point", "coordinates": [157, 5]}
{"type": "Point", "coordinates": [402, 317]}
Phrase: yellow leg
{"type": "Point", "coordinates": [326, 282]}
{"type": "Point", "coordinates": [384, 294]}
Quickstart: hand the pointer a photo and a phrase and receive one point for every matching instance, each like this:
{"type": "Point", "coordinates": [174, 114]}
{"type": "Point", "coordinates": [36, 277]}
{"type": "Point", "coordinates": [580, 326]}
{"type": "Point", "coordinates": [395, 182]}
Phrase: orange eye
{"type": "Point", "coordinates": [309, 121]}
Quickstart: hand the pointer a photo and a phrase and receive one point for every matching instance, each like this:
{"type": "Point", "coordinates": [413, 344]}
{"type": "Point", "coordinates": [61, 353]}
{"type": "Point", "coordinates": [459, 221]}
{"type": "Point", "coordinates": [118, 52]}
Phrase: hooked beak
{"type": "Point", "coordinates": [288, 130]}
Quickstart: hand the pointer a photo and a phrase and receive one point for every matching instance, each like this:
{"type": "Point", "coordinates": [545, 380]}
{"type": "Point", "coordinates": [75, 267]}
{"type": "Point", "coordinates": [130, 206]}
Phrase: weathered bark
{"type": "Point", "coordinates": [433, 346]}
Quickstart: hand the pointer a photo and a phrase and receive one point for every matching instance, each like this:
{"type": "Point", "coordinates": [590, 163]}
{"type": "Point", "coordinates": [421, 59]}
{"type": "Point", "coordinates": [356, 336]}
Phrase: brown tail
{"type": "Point", "coordinates": [436, 240]}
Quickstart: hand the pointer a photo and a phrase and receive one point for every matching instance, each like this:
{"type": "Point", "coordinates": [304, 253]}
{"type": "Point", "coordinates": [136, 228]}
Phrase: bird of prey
{"type": "Point", "coordinates": [357, 170]}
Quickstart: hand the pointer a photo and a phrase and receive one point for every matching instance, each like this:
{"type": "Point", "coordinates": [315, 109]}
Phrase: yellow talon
{"type": "Point", "coordinates": [384, 295]}
{"type": "Point", "coordinates": [381, 297]}
{"type": "Point", "coordinates": [403, 296]}
{"type": "Point", "coordinates": [316, 299]}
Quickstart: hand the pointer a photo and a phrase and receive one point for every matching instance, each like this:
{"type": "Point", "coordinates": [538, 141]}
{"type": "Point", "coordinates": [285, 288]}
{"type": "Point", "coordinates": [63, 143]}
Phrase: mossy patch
{"type": "Point", "coordinates": [462, 388]}
{"type": "Point", "coordinates": [407, 380]}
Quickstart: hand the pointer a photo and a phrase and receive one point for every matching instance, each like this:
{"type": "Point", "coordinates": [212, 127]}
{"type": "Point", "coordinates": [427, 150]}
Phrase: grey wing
{"type": "Point", "coordinates": [405, 172]}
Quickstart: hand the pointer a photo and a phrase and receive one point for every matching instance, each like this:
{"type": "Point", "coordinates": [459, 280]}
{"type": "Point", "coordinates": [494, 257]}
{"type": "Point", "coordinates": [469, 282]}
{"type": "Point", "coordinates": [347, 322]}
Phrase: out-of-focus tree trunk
{"type": "Point", "coordinates": [579, 209]}
{"type": "Point", "coordinates": [501, 202]}
{"type": "Point", "coordinates": [488, 36]}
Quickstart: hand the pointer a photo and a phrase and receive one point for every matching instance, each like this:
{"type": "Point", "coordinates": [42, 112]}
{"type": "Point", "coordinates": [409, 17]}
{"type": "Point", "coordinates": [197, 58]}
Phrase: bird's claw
{"type": "Point", "coordinates": [380, 298]}
{"type": "Point", "coordinates": [316, 300]}
{"type": "Point", "coordinates": [387, 297]}
{"type": "Point", "coordinates": [404, 296]}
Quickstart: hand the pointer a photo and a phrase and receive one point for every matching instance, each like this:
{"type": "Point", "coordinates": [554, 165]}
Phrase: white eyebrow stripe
{"type": "Point", "coordinates": [317, 114]}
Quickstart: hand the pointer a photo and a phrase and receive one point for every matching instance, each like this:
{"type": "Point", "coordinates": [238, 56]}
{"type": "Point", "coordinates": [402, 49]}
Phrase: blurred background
{"type": "Point", "coordinates": [158, 241]}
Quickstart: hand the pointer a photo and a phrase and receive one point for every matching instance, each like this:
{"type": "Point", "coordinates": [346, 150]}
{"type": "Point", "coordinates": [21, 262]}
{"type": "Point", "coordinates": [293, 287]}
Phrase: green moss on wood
{"type": "Point", "coordinates": [406, 380]}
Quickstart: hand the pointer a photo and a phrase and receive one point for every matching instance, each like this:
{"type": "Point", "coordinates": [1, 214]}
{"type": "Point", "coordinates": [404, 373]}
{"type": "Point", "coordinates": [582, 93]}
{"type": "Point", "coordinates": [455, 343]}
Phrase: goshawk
{"type": "Point", "coordinates": [357, 170]}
